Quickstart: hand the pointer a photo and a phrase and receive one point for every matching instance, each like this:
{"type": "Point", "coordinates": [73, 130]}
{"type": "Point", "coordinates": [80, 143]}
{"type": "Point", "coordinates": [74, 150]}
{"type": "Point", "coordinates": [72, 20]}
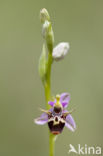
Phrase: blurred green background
{"type": "Point", "coordinates": [80, 73]}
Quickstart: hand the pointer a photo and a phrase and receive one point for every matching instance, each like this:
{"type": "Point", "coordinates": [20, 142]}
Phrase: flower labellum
{"type": "Point", "coordinates": [57, 117]}
{"type": "Point", "coordinates": [60, 51]}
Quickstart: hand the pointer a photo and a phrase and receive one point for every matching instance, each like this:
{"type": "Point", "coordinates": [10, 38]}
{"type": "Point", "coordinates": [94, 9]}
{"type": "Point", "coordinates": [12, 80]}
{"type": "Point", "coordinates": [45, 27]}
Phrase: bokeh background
{"type": "Point", "coordinates": [80, 73]}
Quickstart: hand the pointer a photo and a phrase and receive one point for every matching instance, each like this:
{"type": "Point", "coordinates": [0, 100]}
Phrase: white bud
{"type": "Point", "coordinates": [60, 51]}
{"type": "Point", "coordinates": [44, 15]}
{"type": "Point", "coordinates": [45, 29]}
{"type": "Point", "coordinates": [48, 35]}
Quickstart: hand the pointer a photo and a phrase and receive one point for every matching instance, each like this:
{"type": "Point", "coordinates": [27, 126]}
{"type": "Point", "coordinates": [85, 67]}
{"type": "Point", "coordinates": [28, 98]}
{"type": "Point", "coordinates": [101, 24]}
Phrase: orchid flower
{"type": "Point", "coordinates": [57, 117]}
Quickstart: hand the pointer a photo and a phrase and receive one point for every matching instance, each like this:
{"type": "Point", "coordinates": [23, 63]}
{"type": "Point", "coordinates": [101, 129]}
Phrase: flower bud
{"type": "Point", "coordinates": [60, 51]}
{"type": "Point", "coordinates": [44, 15]}
{"type": "Point", "coordinates": [45, 29]}
{"type": "Point", "coordinates": [48, 35]}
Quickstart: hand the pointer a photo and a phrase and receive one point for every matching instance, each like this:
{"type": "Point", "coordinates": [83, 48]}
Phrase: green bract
{"type": "Point", "coordinates": [42, 64]}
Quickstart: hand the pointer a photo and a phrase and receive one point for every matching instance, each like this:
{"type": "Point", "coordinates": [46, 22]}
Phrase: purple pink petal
{"type": "Point", "coordinates": [51, 103]}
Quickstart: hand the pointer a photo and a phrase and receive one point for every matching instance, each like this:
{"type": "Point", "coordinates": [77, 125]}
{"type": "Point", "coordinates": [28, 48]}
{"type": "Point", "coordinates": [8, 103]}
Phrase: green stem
{"type": "Point", "coordinates": [51, 143]}
{"type": "Point", "coordinates": [48, 79]}
{"type": "Point", "coordinates": [47, 87]}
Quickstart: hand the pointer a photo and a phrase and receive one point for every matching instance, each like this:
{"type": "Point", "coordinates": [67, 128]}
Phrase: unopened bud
{"type": "Point", "coordinates": [60, 51]}
{"type": "Point", "coordinates": [47, 33]}
{"type": "Point", "coordinates": [44, 15]}
{"type": "Point", "coordinates": [45, 29]}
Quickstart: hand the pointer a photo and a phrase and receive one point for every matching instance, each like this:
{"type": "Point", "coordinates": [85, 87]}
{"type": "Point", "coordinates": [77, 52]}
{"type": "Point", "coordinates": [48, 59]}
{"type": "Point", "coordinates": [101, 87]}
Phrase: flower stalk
{"type": "Point", "coordinates": [52, 139]}
{"type": "Point", "coordinates": [48, 36]}
{"type": "Point", "coordinates": [47, 84]}
{"type": "Point", "coordinates": [47, 87]}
